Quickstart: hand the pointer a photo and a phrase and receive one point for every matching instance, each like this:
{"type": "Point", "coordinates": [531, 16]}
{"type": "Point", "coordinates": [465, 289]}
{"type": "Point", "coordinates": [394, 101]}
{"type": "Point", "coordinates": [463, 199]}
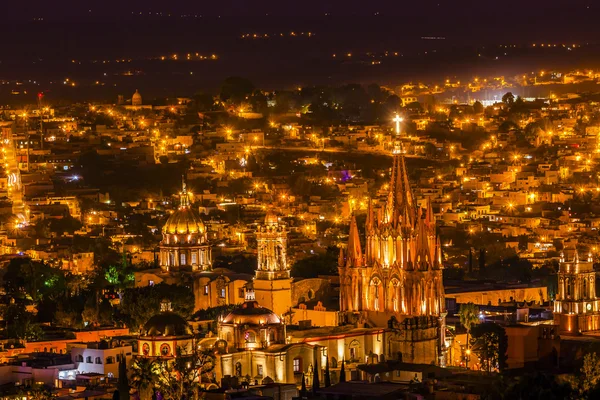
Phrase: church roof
{"type": "Point", "coordinates": [251, 313]}
{"type": "Point", "coordinates": [184, 221]}
{"type": "Point", "coordinates": [166, 324]}
{"type": "Point", "coordinates": [401, 200]}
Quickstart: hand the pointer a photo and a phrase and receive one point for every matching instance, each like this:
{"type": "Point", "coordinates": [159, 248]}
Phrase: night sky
{"type": "Point", "coordinates": [537, 11]}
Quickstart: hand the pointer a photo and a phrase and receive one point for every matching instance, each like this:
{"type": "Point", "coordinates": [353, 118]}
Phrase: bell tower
{"type": "Point", "coordinates": [272, 282]}
{"type": "Point", "coordinates": [576, 308]}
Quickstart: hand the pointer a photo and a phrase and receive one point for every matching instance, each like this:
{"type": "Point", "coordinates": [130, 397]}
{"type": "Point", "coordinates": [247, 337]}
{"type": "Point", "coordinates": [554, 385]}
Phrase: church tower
{"type": "Point", "coordinates": [272, 283]}
{"type": "Point", "coordinates": [400, 270]}
{"type": "Point", "coordinates": [576, 308]}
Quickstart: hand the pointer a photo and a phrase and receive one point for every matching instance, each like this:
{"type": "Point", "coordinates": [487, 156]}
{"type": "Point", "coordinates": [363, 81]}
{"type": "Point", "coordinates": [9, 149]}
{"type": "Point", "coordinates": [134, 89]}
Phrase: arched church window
{"type": "Point", "coordinates": [354, 348]}
{"type": "Point", "coordinates": [145, 349]}
{"type": "Point", "coordinates": [165, 349]}
{"type": "Point", "coordinates": [585, 288]}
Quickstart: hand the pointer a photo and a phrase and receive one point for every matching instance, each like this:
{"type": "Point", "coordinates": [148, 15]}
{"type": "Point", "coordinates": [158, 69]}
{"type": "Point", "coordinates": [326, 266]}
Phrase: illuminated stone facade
{"type": "Point", "coordinates": [397, 281]}
{"type": "Point", "coordinates": [252, 346]}
{"type": "Point", "coordinates": [272, 284]}
{"type": "Point", "coordinates": [185, 243]}
{"type": "Point", "coordinates": [577, 308]}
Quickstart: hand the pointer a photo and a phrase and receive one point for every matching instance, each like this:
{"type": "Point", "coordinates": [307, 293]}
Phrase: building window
{"type": "Point", "coordinates": [241, 293]}
{"type": "Point", "coordinates": [110, 360]}
{"type": "Point", "coordinates": [259, 370]}
{"type": "Point", "coordinates": [146, 349]}
{"type": "Point", "coordinates": [250, 337]}
{"type": "Point", "coordinates": [150, 283]}
{"type": "Point", "coordinates": [194, 258]}
{"type": "Point", "coordinates": [88, 360]}
{"type": "Point", "coordinates": [238, 369]}
{"type": "Point", "coordinates": [98, 360]}
{"type": "Point", "coordinates": [165, 349]}
{"type": "Point", "coordinates": [223, 293]}
{"type": "Point", "coordinates": [183, 259]}
{"type": "Point", "coordinates": [353, 353]}
{"type": "Point", "coordinates": [206, 290]}
{"type": "Point", "coordinates": [79, 358]}
{"type": "Point", "coordinates": [297, 365]}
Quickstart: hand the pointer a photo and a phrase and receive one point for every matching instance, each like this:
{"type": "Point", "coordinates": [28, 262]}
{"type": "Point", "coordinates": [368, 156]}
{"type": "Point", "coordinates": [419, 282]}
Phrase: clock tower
{"type": "Point", "coordinates": [576, 308]}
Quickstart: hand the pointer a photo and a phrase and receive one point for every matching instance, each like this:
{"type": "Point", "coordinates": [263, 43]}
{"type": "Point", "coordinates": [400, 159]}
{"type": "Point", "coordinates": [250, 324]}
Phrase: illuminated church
{"type": "Point", "coordinates": [576, 308]}
{"type": "Point", "coordinates": [185, 244]}
{"type": "Point", "coordinates": [272, 283]}
{"type": "Point", "coordinates": [397, 280]}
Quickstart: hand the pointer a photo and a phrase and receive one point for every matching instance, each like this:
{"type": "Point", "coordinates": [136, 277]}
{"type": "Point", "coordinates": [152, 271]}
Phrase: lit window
{"type": "Point", "coordinates": [165, 350]}
{"type": "Point", "coordinates": [250, 337]}
{"type": "Point", "coordinates": [194, 258]}
{"type": "Point", "coordinates": [223, 292]}
{"type": "Point", "coordinates": [259, 370]}
{"type": "Point", "coordinates": [206, 290]}
{"type": "Point", "coordinates": [297, 364]}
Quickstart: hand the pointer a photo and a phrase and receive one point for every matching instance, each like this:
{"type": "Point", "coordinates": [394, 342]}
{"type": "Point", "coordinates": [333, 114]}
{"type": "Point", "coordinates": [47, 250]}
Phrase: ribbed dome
{"type": "Point", "coordinates": [271, 218]}
{"type": "Point", "coordinates": [250, 313]}
{"type": "Point", "coordinates": [184, 221]}
{"type": "Point", "coordinates": [167, 324]}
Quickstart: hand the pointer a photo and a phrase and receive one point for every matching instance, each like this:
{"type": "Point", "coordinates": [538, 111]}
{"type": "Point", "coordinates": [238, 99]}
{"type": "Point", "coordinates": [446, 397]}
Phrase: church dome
{"type": "Point", "coordinates": [136, 99]}
{"type": "Point", "coordinates": [184, 221]}
{"type": "Point", "coordinates": [251, 313]}
{"type": "Point", "coordinates": [271, 218]}
{"type": "Point", "coordinates": [167, 324]}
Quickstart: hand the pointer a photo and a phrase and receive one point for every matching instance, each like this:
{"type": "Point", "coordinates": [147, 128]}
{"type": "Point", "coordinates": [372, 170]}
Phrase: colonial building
{"type": "Point", "coordinates": [185, 244]}
{"type": "Point", "coordinates": [397, 281]}
{"type": "Point", "coordinates": [273, 284]}
{"type": "Point", "coordinates": [165, 335]}
{"type": "Point", "coordinates": [576, 308]}
{"type": "Point", "coordinates": [252, 345]}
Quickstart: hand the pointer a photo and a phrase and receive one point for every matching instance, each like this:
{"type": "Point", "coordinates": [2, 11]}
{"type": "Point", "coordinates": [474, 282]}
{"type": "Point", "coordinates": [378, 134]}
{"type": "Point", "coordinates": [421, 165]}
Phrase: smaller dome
{"type": "Point", "coordinates": [136, 99]}
{"type": "Point", "coordinates": [251, 313]}
{"type": "Point", "coordinates": [167, 324]}
{"type": "Point", "coordinates": [271, 218]}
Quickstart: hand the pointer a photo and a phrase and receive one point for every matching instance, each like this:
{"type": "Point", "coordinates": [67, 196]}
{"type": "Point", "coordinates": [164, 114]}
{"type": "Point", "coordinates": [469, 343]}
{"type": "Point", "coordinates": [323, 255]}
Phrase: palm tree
{"type": "Point", "coordinates": [469, 316]}
{"type": "Point", "coordinates": [144, 376]}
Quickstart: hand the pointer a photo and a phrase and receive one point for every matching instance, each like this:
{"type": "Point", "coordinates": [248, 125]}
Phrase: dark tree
{"type": "Point", "coordinates": [327, 375]}
{"type": "Point", "coordinates": [508, 98]}
{"type": "Point", "coordinates": [342, 372]}
{"type": "Point", "coordinates": [315, 384]}
{"type": "Point", "coordinates": [123, 384]}
{"type": "Point", "coordinates": [490, 343]}
{"type": "Point", "coordinates": [481, 259]}
{"type": "Point", "coordinates": [236, 89]}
